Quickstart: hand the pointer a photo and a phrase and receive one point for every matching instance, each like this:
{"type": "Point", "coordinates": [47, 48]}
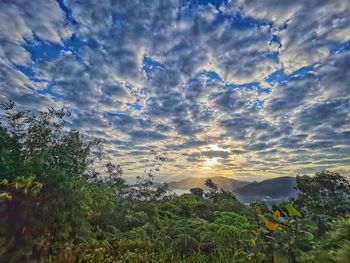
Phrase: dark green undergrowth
{"type": "Point", "coordinates": [54, 207]}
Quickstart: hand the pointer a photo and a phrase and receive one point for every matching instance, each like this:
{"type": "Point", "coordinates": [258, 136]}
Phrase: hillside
{"type": "Point", "coordinates": [224, 183]}
{"type": "Point", "coordinates": [276, 189]}
{"type": "Point", "coordinates": [270, 190]}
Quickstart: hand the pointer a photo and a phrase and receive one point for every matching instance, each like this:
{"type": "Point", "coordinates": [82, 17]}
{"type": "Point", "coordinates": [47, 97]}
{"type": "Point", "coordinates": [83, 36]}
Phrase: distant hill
{"type": "Point", "coordinates": [225, 183]}
{"type": "Point", "coordinates": [270, 190]}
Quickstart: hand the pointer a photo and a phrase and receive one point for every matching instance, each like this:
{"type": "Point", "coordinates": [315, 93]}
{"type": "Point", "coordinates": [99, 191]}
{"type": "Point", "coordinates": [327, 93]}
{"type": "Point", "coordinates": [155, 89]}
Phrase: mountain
{"type": "Point", "coordinates": [225, 183]}
{"type": "Point", "coordinates": [271, 190]}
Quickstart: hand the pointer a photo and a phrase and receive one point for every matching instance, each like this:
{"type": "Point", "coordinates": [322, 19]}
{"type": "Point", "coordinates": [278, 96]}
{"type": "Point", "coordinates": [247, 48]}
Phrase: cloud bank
{"type": "Point", "coordinates": [247, 89]}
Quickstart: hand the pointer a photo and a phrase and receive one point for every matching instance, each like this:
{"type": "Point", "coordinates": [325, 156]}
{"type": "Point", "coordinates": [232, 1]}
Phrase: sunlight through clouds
{"type": "Point", "coordinates": [246, 89]}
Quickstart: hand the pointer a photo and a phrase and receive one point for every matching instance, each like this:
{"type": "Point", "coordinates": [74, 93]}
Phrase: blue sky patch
{"type": "Point", "coordinates": [135, 105]}
{"type": "Point", "coordinates": [68, 12]}
{"type": "Point", "coordinates": [240, 21]}
{"type": "Point", "coordinates": [42, 51]}
{"type": "Point", "coordinates": [280, 75]}
{"type": "Point", "coordinates": [251, 85]}
{"type": "Point", "coordinates": [194, 3]}
{"type": "Point", "coordinates": [340, 47]}
{"type": "Point", "coordinates": [28, 71]}
{"type": "Point", "coordinates": [149, 64]}
{"type": "Point", "coordinates": [212, 75]}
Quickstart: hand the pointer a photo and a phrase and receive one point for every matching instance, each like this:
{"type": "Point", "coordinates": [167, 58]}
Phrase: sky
{"type": "Point", "coordinates": [247, 89]}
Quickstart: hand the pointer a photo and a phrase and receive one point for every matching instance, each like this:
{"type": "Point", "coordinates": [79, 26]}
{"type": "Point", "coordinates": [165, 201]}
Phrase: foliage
{"type": "Point", "coordinates": [54, 207]}
{"type": "Point", "coordinates": [197, 191]}
{"type": "Point", "coordinates": [323, 197]}
{"type": "Point", "coordinates": [327, 193]}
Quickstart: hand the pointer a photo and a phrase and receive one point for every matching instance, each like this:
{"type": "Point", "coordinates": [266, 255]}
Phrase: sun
{"type": "Point", "coordinates": [213, 161]}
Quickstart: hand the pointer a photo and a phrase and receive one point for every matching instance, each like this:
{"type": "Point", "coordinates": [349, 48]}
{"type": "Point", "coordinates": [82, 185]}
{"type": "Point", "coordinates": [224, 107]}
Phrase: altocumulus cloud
{"type": "Point", "coordinates": [261, 87]}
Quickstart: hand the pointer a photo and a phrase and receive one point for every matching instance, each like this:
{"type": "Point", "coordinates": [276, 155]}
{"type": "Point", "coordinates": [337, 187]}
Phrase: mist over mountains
{"type": "Point", "coordinates": [270, 190]}
{"type": "Point", "coordinates": [224, 183]}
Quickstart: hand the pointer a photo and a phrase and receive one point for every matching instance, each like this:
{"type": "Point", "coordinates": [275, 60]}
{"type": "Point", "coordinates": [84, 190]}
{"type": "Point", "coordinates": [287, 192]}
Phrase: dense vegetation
{"type": "Point", "coordinates": [54, 207]}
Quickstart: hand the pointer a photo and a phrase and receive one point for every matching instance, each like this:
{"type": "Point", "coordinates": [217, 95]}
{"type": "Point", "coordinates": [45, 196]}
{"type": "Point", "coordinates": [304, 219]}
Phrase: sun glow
{"type": "Point", "coordinates": [213, 161]}
{"type": "Point", "coordinates": [214, 147]}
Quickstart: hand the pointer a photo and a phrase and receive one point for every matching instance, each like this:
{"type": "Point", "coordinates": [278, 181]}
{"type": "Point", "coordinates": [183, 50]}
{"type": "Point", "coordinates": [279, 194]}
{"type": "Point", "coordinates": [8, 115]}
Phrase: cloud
{"type": "Point", "coordinates": [236, 100]}
{"type": "Point", "coordinates": [306, 30]}
{"type": "Point", "coordinates": [289, 96]}
{"type": "Point", "coordinates": [335, 77]}
{"type": "Point", "coordinates": [142, 135]}
{"type": "Point", "coordinates": [265, 82]}
{"type": "Point", "coordinates": [330, 113]}
{"type": "Point", "coordinates": [21, 20]}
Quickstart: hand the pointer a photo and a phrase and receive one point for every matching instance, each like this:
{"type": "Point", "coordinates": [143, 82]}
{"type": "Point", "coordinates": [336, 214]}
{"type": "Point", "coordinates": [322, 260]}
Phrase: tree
{"type": "Point", "coordinates": [10, 161]}
{"type": "Point", "coordinates": [326, 193]}
{"type": "Point", "coordinates": [213, 188]}
{"type": "Point", "coordinates": [197, 191]}
{"type": "Point", "coordinates": [335, 246]}
{"type": "Point", "coordinates": [45, 180]}
{"type": "Point", "coordinates": [323, 198]}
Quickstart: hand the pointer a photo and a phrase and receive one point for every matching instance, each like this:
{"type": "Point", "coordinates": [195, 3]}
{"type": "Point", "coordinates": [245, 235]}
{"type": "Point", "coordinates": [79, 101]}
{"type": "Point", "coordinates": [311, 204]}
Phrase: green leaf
{"type": "Point", "coordinates": [279, 257]}
{"type": "Point", "coordinates": [308, 236]}
{"type": "Point", "coordinates": [262, 218]}
{"type": "Point", "coordinates": [258, 210]}
{"type": "Point", "coordinates": [291, 210]}
{"type": "Point", "coordinates": [4, 182]}
{"type": "Point", "coordinates": [309, 223]}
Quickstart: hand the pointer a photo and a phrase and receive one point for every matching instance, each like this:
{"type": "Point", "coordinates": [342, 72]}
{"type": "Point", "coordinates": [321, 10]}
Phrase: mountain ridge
{"type": "Point", "coordinates": [225, 183]}
{"type": "Point", "coordinates": [269, 190]}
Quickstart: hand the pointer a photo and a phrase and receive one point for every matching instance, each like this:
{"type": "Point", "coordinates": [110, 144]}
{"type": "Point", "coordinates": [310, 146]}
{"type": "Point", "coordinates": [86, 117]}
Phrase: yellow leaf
{"type": "Point", "coordinates": [4, 182]}
{"type": "Point", "coordinates": [277, 214]}
{"type": "Point", "coordinates": [252, 243]}
{"type": "Point", "coordinates": [5, 196]}
{"type": "Point", "coordinates": [271, 225]}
